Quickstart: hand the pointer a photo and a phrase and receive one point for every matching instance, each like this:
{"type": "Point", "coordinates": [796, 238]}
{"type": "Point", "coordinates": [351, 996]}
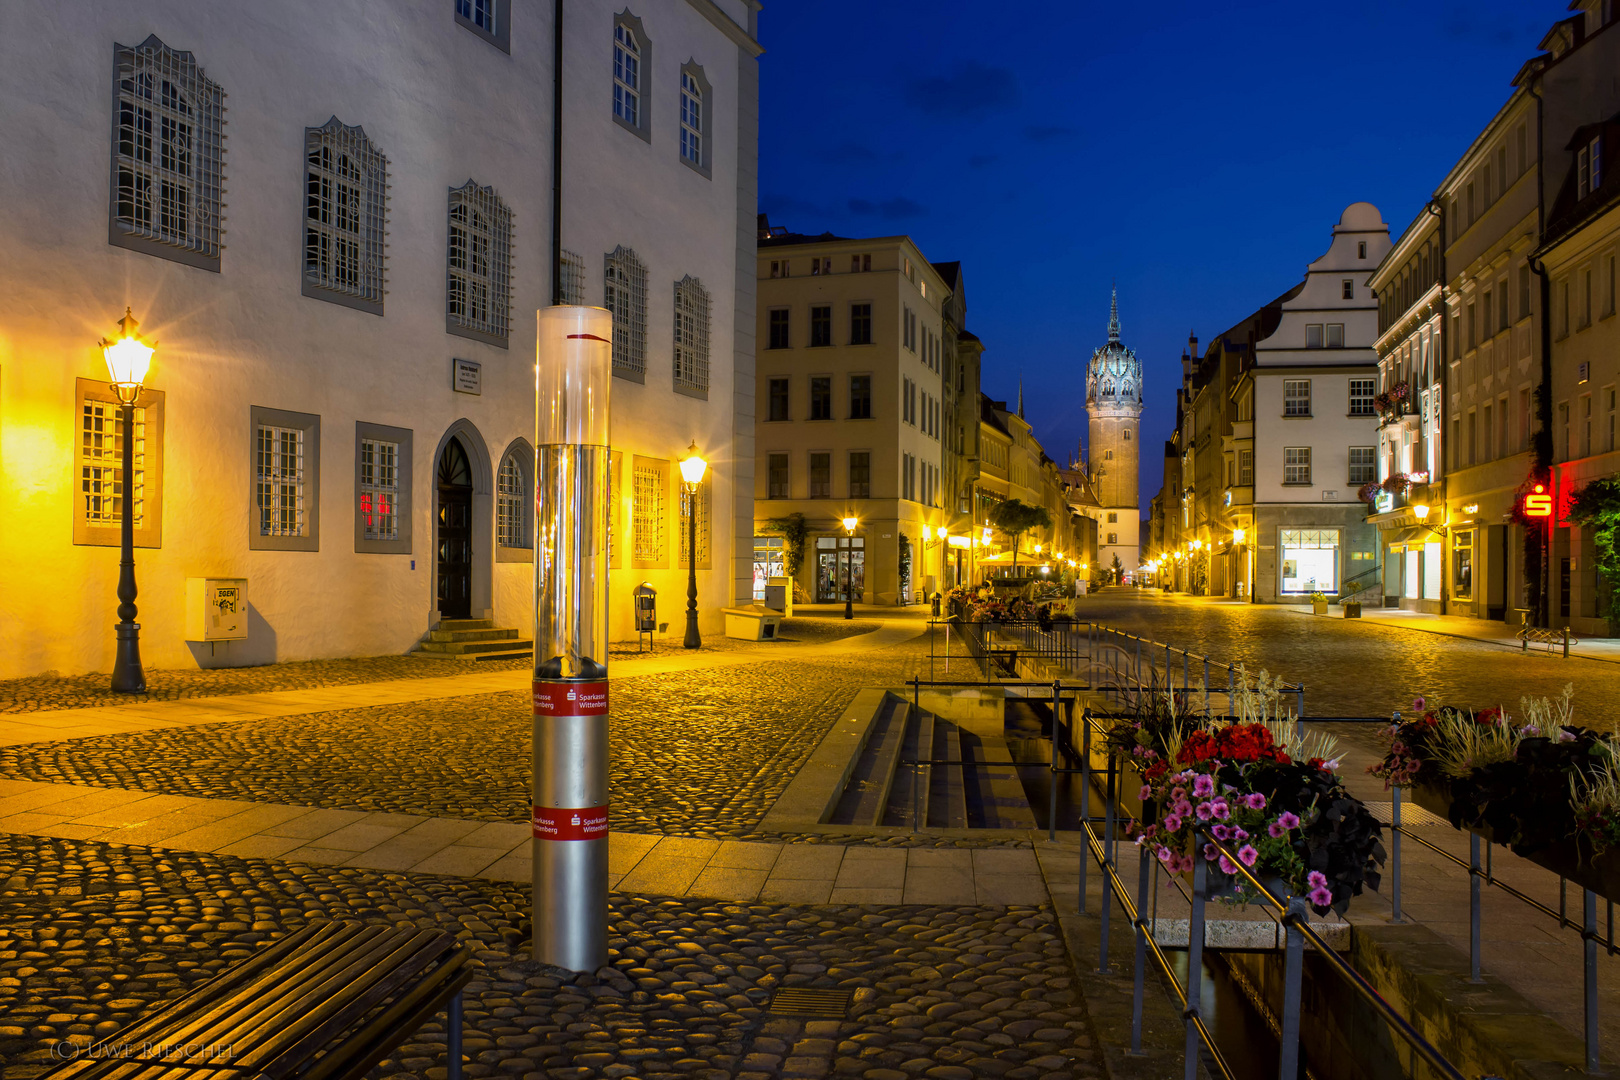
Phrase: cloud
{"type": "Point", "coordinates": [971, 90]}
{"type": "Point", "coordinates": [781, 207]}
{"type": "Point", "coordinates": [1040, 133]}
{"type": "Point", "coordinates": [979, 161]}
{"type": "Point", "coordinates": [895, 209]}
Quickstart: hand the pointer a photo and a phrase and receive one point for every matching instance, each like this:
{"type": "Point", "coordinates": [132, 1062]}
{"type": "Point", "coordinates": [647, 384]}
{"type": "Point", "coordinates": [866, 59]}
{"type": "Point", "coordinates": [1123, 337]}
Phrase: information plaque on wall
{"type": "Point", "coordinates": [466, 377]}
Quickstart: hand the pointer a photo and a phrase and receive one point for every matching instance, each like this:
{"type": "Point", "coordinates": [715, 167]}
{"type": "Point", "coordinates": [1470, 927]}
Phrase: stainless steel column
{"type": "Point", "coordinates": [573, 371]}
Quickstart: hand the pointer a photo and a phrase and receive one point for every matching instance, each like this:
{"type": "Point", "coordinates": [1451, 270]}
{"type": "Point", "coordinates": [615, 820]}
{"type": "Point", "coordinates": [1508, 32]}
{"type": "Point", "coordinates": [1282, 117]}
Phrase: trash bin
{"type": "Point", "coordinates": [646, 600]}
{"type": "Point", "coordinates": [936, 603]}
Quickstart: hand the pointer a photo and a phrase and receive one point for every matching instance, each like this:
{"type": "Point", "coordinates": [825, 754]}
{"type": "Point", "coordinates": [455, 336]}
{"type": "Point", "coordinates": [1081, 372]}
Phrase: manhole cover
{"type": "Point", "coordinates": [799, 1001]}
{"type": "Point", "coordinates": [1412, 815]}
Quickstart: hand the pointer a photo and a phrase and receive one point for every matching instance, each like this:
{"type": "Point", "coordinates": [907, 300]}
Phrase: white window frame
{"type": "Point", "coordinates": [514, 503]}
{"type": "Point", "coordinates": [269, 482]}
{"type": "Point", "coordinates": [98, 464]}
{"type": "Point", "coordinates": [624, 293]}
{"type": "Point", "coordinates": [1313, 335]}
{"type": "Point", "coordinates": [1362, 392]}
{"type": "Point", "coordinates": [691, 338]}
{"type": "Point", "coordinates": [489, 19]}
{"type": "Point", "coordinates": [1333, 337]}
{"type": "Point", "coordinates": [372, 540]}
{"type": "Point", "coordinates": [632, 61]}
{"type": "Point", "coordinates": [697, 105]}
{"type": "Point", "coordinates": [1369, 464]}
{"type": "Point", "coordinates": [1297, 466]}
{"type": "Point", "coordinates": [571, 274]}
{"type": "Point", "coordinates": [1295, 401]}
{"type": "Point", "coordinates": [478, 268]}
{"type": "Point", "coordinates": [168, 154]}
{"type": "Point", "coordinates": [345, 217]}
{"type": "Point", "coordinates": [649, 532]}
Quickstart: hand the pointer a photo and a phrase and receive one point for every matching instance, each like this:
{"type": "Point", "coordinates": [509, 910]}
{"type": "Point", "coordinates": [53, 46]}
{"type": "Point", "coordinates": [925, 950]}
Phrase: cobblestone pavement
{"type": "Point", "coordinates": [95, 935]}
{"type": "Point", "coordinates": [49, 691]}
{"type": "Point", "coordinates": [699, 753]}
{"type": "Point", "coordinates": [1350, 668]}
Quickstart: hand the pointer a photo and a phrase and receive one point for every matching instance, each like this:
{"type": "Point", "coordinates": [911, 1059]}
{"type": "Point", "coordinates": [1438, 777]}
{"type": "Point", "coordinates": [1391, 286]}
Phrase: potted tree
{"type": "Point", "coordinates": [1347, 598]}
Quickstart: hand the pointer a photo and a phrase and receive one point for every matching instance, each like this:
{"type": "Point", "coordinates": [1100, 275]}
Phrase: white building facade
{"type": "Point", "coordinates": [338, 229]}
{"type": "Point", "coordinates": [1309, 396]}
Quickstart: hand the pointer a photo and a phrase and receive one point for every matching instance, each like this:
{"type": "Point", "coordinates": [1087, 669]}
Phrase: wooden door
{"type": "Point", "coordinates": [454, 539]}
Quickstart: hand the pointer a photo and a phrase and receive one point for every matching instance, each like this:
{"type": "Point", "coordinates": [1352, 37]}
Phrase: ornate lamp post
{"type": "Point", "coordinates": [128, 357]}
{"type": "Point", "coordinates": [849, 566]}
{"type": "Point", "coordinates": [692, 469]}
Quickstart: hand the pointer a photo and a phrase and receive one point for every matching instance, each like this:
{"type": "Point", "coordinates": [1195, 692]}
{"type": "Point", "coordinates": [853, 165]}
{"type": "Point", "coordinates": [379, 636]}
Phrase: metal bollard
{"type": "Point", "coordinates": [1085, 802]}
{"type": "Point", "coordinates": [1473, 908]}
{"type": "Point", "coordinates": [1293, 977]}
{"type": "Point", "coordinates": [1052, 775]}
{"type": "Point", "coordinates": [1108, 865]}
{"type": "Point", "coordinates": [1566, 643]}
{"type": "Point", "coordinates": [452, 1036]}
{"type": "Point", "coordinates": [1195, 959]}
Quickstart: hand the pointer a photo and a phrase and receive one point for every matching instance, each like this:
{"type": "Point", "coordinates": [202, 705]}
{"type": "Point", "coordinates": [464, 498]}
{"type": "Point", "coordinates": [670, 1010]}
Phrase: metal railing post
{"type": "Point", "coordinates": [1085, 801]}
{"type": "Point", "coordinates": [452, 1036]}
{"type": "Point", "coordinates": [1144, 863]}
{"type": "Point", "coordinates": [1293, 977]}
{"type": "Point", "coordinates": [1195, 958]}
{"type": "Point", "coordinates": [916, 769]}
{"type": "Point", "coordinates": [1206, 685]}
{"type": "Point", "coordinates": [1108, 864]}
{"type": "Point", "coordinates": [1589, 906]}
{"type": "Point", "coordinates": [1473, 907]}
{"type": "Point", "coordinates": [1052, 774]}
{"type": "Point", "coordinates": [1566, 643]}
{"type": "Point", "coordinates": [1395, 852]}
{"type": "Point", "coordinates": [1185, 675]}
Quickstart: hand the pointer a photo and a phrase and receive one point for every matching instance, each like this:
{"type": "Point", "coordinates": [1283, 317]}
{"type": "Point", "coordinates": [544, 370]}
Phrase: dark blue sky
{"type": "Point", "coordinates": [1199, 153]}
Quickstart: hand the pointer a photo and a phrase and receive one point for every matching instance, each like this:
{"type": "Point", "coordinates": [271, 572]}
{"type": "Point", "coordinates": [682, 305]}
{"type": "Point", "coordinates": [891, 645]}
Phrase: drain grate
{"type": "Point", "coordinates": [801, 1001]}
{"type": "Point", "coordinates": [1412, 815]}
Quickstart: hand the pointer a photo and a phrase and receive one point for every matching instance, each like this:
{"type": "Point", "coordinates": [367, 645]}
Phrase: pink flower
{"type": "Point", "coordinates": [1288, 820]}
{"type": "Point", "coordinates": [1204, 811]}
{"type": "Point", "coordinates": [1227, 866]}
{"type": "Point", "coordinates": [1316, 880]}
{"type": "Point", "coordinates": [1204, 787]}
{"type": "Point", "coordinates": [1239, 834]}
{"type": "Point", "coordinates": [1146, 793]}
{"type": "Point", "coordinates": [1178, 792]}
{"type": "Point", "coordinates": [1256, 801]}
{"type": "Point", "coordinates": [1172, 823]}
{"type": "Point", "coordinates": [1165, 855]}
{"type": "Point", "coordinates": [1417, 705]}
{"type": "Point", "coordinates": [1222, 832]}
{"type": "Point", "coordinates": [1184, 808]}
{"type": "Point", "coordinates": [1247, 855]}
{"type": "Point", "coordinates": [1322, 897]}
{"type": "Point", "coordinates": [1211, 852]}
{"type": "Point", "coordinates": [1220, 809]}
{"type": "Point", "coordinates": [1275, 830]}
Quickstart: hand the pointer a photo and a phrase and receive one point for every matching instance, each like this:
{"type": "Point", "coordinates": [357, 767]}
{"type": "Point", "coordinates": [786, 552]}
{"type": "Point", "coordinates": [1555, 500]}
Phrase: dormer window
{"type": "Point", "coordinates": [1589, 167]}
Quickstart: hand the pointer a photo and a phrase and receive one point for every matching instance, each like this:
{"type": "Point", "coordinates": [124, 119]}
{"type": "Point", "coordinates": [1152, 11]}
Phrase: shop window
{"type": "Point", "coordinates": [1462, 565]}
{"type": "Point", "coordinates": [1310, 560]}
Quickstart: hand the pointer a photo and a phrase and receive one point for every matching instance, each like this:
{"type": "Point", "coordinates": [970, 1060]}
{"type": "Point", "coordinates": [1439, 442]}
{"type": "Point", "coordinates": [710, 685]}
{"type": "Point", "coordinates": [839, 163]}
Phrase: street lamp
{"type": "Point", "coordinates": [128, 358]}
{"type": "Point", "coordinates": [849, 566]}
{"type": "Point", "coordinates": [692, 469]}
{"type": "Point", "coordinates": [1421, 512]}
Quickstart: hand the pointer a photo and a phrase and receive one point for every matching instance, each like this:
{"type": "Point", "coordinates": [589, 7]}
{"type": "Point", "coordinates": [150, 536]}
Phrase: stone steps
{"type": "Point", "coordinates": [472, 640]}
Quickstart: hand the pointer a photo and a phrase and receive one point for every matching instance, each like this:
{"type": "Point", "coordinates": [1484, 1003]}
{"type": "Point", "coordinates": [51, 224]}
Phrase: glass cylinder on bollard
{"type": "Point", "coordinates": [574, 366]}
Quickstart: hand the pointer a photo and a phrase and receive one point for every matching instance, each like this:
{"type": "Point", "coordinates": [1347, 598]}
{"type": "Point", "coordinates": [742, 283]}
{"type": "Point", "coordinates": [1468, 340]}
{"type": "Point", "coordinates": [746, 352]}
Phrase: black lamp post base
{"type": "Point", "coordinates": [128, 677]}
{"type": "Point", "coordinates": [693, 639]}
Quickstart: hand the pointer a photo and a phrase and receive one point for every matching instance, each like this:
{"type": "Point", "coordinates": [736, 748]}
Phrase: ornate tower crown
{"type": "Point", "coordinates": [1114, 375]}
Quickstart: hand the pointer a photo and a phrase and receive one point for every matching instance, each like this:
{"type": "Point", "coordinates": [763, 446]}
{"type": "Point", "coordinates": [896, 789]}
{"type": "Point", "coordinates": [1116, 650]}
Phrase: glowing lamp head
{"type": "Point", "coordinates": [128, 356]}
{"type": "Point", "coordinates": [1037, 549]}
{"type": "Point", "coordinates": [693, 466]}
{"type": "Point", "coordinates": [850, 523]}
{"type": "Point", "coordinates": [1238, 535]}
{"type": "Point", "coordinates": [986, 539]}
{"type": "Point", "coordinates": [1421, 512]}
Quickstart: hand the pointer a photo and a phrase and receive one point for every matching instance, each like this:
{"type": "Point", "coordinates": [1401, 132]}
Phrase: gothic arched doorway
{"type": "Point", "coordinates": [454, 523]}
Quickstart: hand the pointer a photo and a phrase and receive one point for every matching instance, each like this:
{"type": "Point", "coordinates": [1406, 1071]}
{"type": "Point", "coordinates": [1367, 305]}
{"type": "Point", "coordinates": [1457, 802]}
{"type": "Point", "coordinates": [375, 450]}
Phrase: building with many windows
{"type": "Point", "coordinates": [855, 357]}
{"type": "Point", "coordinates": [1114, 414]}
{"type": "Point", "coordinates": [1304, 403]}
{"type": "Point", "coordinates": [341, 271]}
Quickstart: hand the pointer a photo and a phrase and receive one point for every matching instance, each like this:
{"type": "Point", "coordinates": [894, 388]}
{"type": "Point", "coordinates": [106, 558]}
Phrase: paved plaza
{"type": "Point", "coordinates": [145, 845]}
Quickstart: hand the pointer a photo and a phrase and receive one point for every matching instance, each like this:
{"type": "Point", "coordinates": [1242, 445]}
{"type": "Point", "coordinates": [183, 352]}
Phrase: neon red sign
{"type": "Point", "coordinates": [1538, 503]}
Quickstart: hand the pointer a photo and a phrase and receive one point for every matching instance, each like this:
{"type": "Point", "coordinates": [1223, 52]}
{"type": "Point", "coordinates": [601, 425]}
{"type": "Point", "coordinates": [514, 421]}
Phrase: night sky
{"type": "Point", "coordinates": [1198, 153]}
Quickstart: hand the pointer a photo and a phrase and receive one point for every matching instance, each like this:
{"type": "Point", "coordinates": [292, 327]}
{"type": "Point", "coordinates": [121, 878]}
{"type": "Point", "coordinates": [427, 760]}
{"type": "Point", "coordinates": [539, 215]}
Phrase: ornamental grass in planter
{"type": "Point", "coordinates": [1541, 785]}
{"type": "Point", "coordinates": [1270, 795]}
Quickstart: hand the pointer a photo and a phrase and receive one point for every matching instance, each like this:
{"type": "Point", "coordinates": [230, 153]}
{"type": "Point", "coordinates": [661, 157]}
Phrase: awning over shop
{"type": "Point", "coordinates": [1416, 536]}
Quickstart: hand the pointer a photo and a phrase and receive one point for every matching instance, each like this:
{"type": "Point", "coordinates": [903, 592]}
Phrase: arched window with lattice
{"type": "Point", "coordinates": [168, 155]}
{"type": "Point", "coordinates": [479, 270]}
{"type": "Point", "coordinates": [691, 336]}
{"type": "Point", "coordinates": [625, 295]}
{"type": "Point", "coordinates": [345, 216]}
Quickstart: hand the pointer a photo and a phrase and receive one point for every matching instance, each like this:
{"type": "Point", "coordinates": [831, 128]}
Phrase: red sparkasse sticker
{"type": "Point", "coordinates": [570, 698]}
{"type": "Point", "coordinates": [553, 823]}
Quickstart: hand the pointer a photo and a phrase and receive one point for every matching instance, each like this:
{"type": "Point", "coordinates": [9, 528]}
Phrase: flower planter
{"type": "Point", "coordinates": [1319, 607]}
{"type": "Point", "coordinates": [1352, 609]}
{"type": "Point", "coordinates": [1573, 859]}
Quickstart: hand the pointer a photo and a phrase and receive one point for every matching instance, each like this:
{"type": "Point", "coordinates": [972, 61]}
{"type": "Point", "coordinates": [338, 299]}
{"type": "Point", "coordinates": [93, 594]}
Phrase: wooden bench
{"type": "Point", "coordinates": [323, 1003]}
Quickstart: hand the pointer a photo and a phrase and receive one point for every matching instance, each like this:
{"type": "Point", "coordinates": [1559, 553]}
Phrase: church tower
{"type": "Point", "coordinates": [1114, 405]}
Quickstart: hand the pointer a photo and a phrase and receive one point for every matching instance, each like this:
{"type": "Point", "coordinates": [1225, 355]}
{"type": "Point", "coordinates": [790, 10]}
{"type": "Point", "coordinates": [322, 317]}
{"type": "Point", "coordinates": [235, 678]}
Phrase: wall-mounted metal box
{"type": "Point", "coordinates": [216, 609]}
